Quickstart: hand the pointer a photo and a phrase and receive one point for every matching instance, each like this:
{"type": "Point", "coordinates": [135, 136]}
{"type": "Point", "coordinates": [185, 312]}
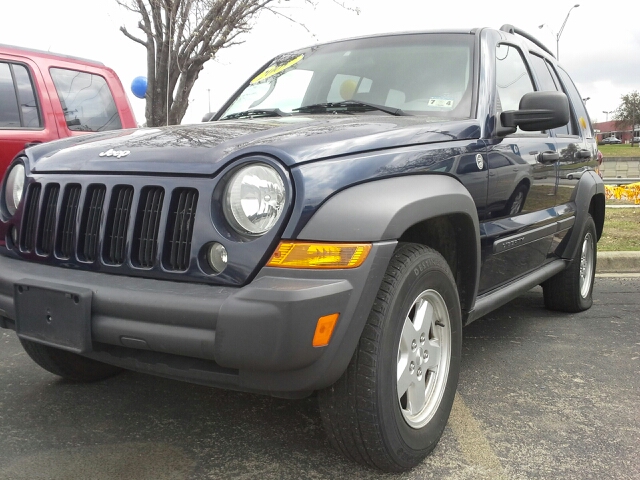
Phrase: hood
{"type": "Point", "coordinates": [202, 149]}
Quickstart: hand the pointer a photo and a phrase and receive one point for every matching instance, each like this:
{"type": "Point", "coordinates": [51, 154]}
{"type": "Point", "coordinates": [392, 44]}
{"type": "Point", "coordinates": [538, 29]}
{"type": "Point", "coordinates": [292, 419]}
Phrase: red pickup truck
{"type": "Point", "coordinates": [46, 96]}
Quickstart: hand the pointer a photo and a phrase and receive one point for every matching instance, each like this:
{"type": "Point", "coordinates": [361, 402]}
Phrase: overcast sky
{"type": "Point", "coordinates": [599, 46]}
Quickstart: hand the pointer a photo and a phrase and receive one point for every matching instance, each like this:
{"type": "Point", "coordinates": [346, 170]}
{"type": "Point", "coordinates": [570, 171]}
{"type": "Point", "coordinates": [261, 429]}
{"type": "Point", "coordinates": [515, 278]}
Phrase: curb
{"type": "Point", "coordinates": [618, 262]}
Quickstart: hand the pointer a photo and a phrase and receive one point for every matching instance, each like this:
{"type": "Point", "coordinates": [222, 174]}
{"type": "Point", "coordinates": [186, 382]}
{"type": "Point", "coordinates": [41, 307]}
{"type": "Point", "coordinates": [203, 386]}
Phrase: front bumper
{"type": "Point", "coordinates": [254, 338]}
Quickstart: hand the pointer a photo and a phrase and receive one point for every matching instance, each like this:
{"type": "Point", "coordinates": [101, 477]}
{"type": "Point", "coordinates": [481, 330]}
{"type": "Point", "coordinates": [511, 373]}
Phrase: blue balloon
{"type": "Point", "coordinates": [139, 86]}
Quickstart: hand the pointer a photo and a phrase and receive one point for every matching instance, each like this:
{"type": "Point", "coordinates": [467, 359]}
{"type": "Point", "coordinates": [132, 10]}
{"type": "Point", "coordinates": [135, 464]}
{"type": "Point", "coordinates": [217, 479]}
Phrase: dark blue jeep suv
{"type": "Point", "coordinates": [331, 229]}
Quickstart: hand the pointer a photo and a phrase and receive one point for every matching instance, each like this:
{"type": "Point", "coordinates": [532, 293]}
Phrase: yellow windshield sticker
{"type": "Point", "coordinates": [583, 123]}
{"type": "Point", "coordinates": [275, 69]}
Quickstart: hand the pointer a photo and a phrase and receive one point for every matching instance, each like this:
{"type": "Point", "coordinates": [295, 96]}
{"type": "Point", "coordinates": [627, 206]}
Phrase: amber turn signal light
{"type": "Point", "coordinates": [319, 255]}
{"type": "Point", "coordinates": [324, 330]}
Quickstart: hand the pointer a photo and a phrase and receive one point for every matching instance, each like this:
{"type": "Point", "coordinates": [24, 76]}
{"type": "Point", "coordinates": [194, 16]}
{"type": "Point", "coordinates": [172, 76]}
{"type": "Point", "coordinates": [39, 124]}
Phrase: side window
{"type": "Point", "coordinates": [18, 107]}
{"type": "Point", "coordinates": [9, 114]}
{"type": "Point", "coordinates": [544, 77]}
{"type": "Point", "coordinates": [26, 93]}
{"type": "Point", "coordinates": [86, 101]}
{"type": "Point", "coordinates": [498, 161]}
{"type": "Point", "coordinates": [547, 84]}
{"type": "Point", "coordinates": [512, 77]}
{"type": "Point", "coordinates": [571, 127]}
{"type": "Point", "coordinates": [584, 125]}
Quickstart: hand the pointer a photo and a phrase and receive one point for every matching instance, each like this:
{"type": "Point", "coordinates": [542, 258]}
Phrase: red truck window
{"type": "Point", "coordinates": [18, 106]}
{"type": "Point", "coordinates": [27, 96]}
{"type": "Point", "coordinates": [86, 101]}
{"type": "Point", "coordinates": [9, 116]}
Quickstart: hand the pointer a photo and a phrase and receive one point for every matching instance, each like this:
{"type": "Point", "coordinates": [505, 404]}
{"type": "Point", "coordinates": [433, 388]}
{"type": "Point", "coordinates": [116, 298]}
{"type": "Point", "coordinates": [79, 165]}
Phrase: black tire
{"type": "Point", "coordinates": [67, 365]}
{"type": "Point", "coordinates": [566, 291]}
{"type": "Point", "coordinates": [569, 177]}
{"type": "Point", "coordinates": [362, 412]}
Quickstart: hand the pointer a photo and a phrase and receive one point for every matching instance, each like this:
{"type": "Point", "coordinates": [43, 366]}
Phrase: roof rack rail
{"type": "Point", "coordinates": [511, 29]}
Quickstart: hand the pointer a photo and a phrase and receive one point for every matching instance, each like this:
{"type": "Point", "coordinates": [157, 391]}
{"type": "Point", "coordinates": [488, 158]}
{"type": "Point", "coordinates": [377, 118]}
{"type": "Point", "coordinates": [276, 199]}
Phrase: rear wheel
{"type": "Point", "coordinates": [67, 365]}
{"type": "Point", "coordinates": [390, 407]}
{"type": "Point", "coordinates": [571, 290]}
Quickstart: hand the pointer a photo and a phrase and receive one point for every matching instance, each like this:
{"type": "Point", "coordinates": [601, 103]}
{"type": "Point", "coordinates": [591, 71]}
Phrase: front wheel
{"type": "Point", "coordinates": [390, 407]}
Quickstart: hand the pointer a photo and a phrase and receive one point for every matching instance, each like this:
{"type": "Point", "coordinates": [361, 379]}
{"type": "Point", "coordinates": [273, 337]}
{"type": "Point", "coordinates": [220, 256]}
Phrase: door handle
{"type": "Point", "coordinates": [548, 157]}
{"type": "Point", "coordinates": [583, 154]}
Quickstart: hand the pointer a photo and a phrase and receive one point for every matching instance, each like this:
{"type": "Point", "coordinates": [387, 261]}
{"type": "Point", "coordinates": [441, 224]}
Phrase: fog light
{"type": "Point", "coordinates": [14, 235]}
{"type": "Point", "coordinates": [217, 257]}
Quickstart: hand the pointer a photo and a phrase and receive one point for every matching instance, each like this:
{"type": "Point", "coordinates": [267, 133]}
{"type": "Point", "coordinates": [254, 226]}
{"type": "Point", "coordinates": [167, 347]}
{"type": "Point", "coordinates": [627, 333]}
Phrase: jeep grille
{"type": "Point", "coordinates": [96, 224]}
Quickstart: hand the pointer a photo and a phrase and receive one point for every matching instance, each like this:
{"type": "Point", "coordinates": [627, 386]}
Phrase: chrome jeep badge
{"type": "Point", "coordinates": [115, 153]}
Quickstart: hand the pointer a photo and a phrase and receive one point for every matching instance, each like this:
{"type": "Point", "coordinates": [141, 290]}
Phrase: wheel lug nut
{"type": "Point", "coordinates": [419, 372]}
{"type": "Point", "coordinates": [422, 338]}
{"type": "Point", "coordinates": [425, 355]}
{"type": "Point", "coordinates": [412, 367]}
{"type": "Point", "coordinates": [414, 345]}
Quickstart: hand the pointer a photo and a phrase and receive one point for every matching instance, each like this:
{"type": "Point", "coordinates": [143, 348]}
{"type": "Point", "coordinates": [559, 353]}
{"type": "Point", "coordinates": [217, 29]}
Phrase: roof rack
{"type": "Point", "coordinates": [516, 31]}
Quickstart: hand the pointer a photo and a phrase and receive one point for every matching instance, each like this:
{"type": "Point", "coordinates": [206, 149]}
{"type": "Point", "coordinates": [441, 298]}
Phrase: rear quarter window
{"type": "Point", "coordinates": [86, 101]}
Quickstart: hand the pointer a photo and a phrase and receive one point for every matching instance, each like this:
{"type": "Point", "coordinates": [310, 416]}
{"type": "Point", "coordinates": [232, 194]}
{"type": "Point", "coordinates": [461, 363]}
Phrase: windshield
{"type": "Point", "coordinates": [420, 74]}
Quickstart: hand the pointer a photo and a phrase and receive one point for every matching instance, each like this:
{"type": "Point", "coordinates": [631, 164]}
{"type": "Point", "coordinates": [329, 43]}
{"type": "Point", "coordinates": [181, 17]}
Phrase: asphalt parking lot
{"type": "Point", "coordinates": [541, 395]}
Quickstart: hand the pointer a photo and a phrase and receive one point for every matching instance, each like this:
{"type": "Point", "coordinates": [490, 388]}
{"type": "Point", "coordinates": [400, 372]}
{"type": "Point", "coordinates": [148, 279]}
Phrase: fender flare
{"type": "Point", "coordinates": [588, 187]}
{"type": "Point", "coordinates": [382, 210]}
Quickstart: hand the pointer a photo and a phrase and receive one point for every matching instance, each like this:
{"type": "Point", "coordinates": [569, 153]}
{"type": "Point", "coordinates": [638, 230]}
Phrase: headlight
{"type": "Point", "coordinates": [14, 187]}
{"type": "Point", "coordinates": [254, 199]}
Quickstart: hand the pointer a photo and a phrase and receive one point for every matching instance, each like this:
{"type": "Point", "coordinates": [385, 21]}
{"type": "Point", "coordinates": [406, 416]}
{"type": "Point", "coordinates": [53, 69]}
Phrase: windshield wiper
{"type": "Point", "coordinates": [350, 106]}
{"type": "Point", "coordinates": [257, 112]}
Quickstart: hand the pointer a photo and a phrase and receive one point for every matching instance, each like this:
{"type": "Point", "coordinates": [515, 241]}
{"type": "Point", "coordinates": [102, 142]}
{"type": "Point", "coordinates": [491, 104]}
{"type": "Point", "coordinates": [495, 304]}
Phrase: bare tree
{"type": "Point", "coordinates": [180, 36]}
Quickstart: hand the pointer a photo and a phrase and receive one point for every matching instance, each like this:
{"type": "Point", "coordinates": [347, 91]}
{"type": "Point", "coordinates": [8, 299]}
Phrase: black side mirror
{"type": "Point", "coordinates": [208, 116]}
{"type": "Point", "coordinates": [538, 111]}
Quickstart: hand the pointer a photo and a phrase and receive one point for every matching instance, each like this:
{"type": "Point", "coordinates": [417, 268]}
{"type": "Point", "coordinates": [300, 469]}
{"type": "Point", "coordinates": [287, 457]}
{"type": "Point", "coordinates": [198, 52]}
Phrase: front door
{"type": "Point", "coordinates": [517, 235]}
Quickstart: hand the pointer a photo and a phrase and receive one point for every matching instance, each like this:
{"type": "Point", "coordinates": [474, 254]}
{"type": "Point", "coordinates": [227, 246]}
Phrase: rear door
{"type": "Point", "coordinates": [25, 108]}
{"type": "Point", "coordinates": [577, 146]}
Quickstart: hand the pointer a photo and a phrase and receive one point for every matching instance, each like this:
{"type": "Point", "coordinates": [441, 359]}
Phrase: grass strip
{"type": "Point", "coordinates": [621, 230]}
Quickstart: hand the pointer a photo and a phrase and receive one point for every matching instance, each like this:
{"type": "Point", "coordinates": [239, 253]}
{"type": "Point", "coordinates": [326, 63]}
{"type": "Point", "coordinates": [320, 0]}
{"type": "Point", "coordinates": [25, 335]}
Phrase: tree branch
{"type": "Point", "coordinates": [135, 39]}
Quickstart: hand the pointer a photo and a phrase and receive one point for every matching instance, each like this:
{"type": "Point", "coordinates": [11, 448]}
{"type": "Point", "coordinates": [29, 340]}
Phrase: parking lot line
{"type": "Point", "coordinates": [472, 441]}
